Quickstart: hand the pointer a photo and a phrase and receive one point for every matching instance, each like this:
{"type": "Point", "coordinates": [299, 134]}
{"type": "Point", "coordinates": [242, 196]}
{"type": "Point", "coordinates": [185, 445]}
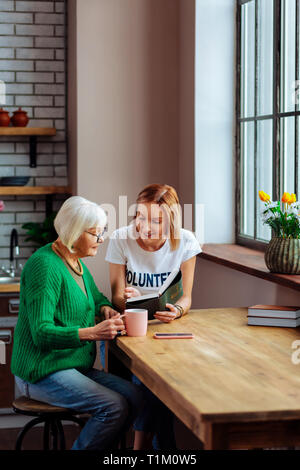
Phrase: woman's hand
{"type": "Point", "coordinates": [167, 316]}
{"type": "Point", "coordinates": [104, 330]}
{"type": "Point", "coordinates": [131, 292]}
{"type": "Point", "coordinates": [108, 312]}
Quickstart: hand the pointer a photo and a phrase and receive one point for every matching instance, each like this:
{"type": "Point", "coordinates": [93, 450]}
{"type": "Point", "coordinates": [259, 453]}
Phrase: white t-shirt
{"type": "Point", "coordinates": [147, 270]}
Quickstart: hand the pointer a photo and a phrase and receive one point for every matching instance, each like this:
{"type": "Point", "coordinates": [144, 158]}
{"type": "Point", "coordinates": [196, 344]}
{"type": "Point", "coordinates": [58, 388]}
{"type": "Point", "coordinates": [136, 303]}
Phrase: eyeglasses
{"type": "Point", "coordinates": [98, 235]}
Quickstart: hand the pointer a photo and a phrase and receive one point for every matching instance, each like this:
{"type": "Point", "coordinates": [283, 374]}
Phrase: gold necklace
{"type": "Point", "coordinates": [79, 271]}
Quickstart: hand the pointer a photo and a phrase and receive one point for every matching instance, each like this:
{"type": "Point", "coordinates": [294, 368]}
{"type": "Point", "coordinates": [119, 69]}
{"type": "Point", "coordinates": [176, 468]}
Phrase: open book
{"type": "Point", "coordinates": [169, 292]}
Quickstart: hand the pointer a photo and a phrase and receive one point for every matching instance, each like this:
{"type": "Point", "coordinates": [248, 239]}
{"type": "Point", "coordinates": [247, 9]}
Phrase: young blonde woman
{"type": "Point", "coordinates": [141, 256]}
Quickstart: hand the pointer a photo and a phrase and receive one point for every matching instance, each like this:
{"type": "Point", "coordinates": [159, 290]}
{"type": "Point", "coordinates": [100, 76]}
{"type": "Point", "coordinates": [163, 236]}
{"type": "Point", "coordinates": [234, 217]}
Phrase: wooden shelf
{"type": "Point", "coordinates": [29, 131]}
{"type": "Point", "coordinates": [248, 261]}
{"type": "Point", "coordinates": [33, 190]}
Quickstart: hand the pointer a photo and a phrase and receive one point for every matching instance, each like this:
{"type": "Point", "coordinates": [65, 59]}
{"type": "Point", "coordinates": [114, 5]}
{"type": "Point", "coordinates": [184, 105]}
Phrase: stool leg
{"type": "Point", "coordinates": [26, 428]}
{"type": "Point", "coordinates": [46, 434]}
{"type": "Point", "coordinates": [62, 442]}
{"type": "Point", "coordinates": [54, 434]}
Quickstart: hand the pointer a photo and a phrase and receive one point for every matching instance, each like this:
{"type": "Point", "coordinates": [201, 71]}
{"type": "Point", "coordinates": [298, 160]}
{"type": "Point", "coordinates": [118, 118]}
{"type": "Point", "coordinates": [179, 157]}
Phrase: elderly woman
{"type": "Point", "coordinates": [54, 342]}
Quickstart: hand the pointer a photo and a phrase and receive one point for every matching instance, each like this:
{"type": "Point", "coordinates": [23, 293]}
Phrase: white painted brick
{"type": "Point", "coordinates": [60, 54]}
{"type": "Point", "coordinates": [18, 88]}
{"type": "Point", "coordinates": [7, 5]}
{"type": "Point", "coordinates": [34, 100]}
{"type": "Point", "coordinates": [61, 171]}
{"type": "Point", "coordinates": [35, 77]}
{"type": "Point", "coordinates": [50, 66]}
{"type": "Point", "coordinates": [34, 172]}
{"type": "Point", "coordinates": [60, 136]}
{"type": "Point", "coordinates": [60, 159]}
{"type": "Point", "coordinates": [6, 28]}
{"type": "Point", "coordinates": [7, 76]}
{"type": "Point", "coordinates": [40, 206]}
{"type": "Point", "coordinates": [16, 18]}
{"type": "Point", "coordinates": [34, 30]}
{"type": "Point", "coordinates": [41, 123]}
{"type": "Point", "coordinates": [7, 53]}
{"type": "Point", "coordinates": [30, 217]}
{"type": "Point", "coordinates": [59, 30]}
{"type": "Point", "coordinates": [59, 7]}
{"type": "Point", "coordinates": [45, 147]}
{"type": "Point", "coordinates": [25, 53]}
{"type": "Point", "coordinates": [34, 6]}
{"type": "Point", "coordinates": [22, 147]}
{"type": "Point", "coordinates": [19, 206]}
{"type": "Point", "coordinates": [5, 229]}
{"type": "Point", "coordinates": [60, 148]}
{"type": "Point", "coordinates": [7, 218]}
{"type": "Point", "coordinates": [19, 159]}
{"type": "Point", "coordinates": [50, 42]}
{"type": "Point", "coordinates": [7, 171]}
{"type": "Point", "coordinates": [16, 65]}
{"type": "Point", "coordinates": [51, 181]}
{"type": "Point", "coordinates": [45, 159]}
{"type": "Point", "coordinates": [60, 77]}
{"type": "Point", "coordinates": [60, 124]}
{"type": "Point", "coordinates": [59, 101]}
{"type": "Point", "coordinates": [49, 18]}
{"type": "Point", "coordinates": [16, 41]}
{"type": "Point", "coordinates": [49, 112]}
{"type": "Point", "coordinates": [9, 101]}
{"type": "Point", "coordinates": [6, 147]}
{"type": "Point", "coordinates": [50, 89]}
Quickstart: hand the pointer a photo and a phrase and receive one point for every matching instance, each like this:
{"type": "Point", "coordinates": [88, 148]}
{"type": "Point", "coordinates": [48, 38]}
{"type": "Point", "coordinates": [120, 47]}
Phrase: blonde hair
{"type": "Point", "coordinates": [166, 197]}
{"type": "Point", "coordinates": [76, 215]}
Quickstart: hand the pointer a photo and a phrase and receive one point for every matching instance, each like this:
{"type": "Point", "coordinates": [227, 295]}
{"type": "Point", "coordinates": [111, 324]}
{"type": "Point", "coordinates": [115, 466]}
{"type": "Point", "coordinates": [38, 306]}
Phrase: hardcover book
{"type": "Point", "coordinates": [274, 311]}
{"type": "Point", "coordinates": [169, 292]}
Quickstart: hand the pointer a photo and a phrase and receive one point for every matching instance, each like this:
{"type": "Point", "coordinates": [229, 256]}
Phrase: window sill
{"type": "Point", "coordinates": [248, 261]}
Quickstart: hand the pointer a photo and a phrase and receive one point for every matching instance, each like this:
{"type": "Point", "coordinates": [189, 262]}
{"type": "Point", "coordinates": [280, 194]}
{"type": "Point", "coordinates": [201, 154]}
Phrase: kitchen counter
{"type": "Point", "coordinates": [13, 287]}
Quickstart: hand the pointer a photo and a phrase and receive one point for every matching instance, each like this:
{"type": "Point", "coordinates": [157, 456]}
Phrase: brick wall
{"type": "Point", "coordinates": [33, 67]}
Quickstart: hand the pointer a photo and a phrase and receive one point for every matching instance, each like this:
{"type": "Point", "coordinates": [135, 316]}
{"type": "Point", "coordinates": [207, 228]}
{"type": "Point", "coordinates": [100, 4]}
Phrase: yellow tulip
{"type": "Point", "coordinates": [263, 196]}
{"type": "Point", "coordinates": [286, 197]}
{"type": "Point", "coordinates": [292, 198]}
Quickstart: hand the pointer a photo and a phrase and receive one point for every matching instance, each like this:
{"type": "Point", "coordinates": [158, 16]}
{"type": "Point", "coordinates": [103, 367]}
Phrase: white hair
{"type": "Point", "coordinates": [76, 215]}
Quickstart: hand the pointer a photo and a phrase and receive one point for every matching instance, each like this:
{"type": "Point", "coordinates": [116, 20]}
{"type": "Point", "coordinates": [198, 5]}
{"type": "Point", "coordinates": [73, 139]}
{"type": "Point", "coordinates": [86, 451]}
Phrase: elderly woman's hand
{"type": "Point", "coordinates": [106, 329]}
{"type": "Point", "coordinates": [131, 292]}
{"type": "Point", "coordinates": [108, 312]}
{"type": "Point", "coordinates": [167, 316]}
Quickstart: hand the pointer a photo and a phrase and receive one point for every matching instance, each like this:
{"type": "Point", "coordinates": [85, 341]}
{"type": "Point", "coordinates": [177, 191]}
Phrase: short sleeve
{"type": "Point", "coordinates": [191, 246]}
{"type": "Point", "coordinates": [115, 251]}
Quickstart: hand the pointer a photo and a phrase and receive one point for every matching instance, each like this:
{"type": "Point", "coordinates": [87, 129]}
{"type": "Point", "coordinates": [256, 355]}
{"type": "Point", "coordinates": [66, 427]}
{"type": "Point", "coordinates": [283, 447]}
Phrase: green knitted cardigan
{"type": "Point", "coordinates": [52, 309]}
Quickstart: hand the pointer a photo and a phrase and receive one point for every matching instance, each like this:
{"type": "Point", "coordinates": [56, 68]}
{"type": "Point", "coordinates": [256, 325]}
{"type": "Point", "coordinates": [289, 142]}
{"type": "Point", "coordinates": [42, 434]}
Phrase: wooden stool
{"type": "Point", "coordinates": [51, 416]}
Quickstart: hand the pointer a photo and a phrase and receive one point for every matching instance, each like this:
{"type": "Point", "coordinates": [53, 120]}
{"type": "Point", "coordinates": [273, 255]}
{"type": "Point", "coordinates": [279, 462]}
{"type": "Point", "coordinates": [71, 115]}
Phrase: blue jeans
{"type": "Point", "coordinates": [113, 402]}
{"type": "Point", "coordinates": [154, 417]}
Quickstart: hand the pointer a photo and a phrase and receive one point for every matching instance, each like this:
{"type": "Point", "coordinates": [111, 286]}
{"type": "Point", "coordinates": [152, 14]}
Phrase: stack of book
{"type": "Point", "coordinates": [274, 315]}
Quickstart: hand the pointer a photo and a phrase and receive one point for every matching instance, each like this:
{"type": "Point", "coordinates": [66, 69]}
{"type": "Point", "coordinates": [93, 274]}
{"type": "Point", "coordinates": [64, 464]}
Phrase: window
{"type": "Point", "coordinates": [267, 143]}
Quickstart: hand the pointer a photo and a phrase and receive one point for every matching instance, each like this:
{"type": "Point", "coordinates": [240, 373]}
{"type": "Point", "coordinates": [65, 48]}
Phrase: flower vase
{"type": "Point", "coordinates": [283, 255]}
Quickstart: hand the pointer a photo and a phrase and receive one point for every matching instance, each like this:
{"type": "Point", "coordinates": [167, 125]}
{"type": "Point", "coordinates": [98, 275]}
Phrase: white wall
{"type": "Point", "coordinates": [123, 75]}
{"type": "Point", "coordinates": [214, 117]}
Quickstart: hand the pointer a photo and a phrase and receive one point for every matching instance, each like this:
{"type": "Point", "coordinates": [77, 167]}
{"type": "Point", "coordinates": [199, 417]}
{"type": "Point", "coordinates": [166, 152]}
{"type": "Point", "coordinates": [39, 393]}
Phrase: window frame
{"type": "Point", "coordinates": [242, 239]}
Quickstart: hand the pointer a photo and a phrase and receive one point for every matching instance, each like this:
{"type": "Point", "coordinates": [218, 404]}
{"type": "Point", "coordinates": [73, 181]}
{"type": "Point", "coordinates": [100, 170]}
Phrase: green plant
{"type": "Point", "coordinates": [41, 233]}
{"type": "Point", "coordinates": [285, 221]}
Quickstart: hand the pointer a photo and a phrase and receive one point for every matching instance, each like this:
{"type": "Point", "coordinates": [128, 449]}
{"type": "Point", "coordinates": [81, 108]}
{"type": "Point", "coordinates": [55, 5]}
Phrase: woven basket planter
{"type": "Point", "coordinates": [283, 255]}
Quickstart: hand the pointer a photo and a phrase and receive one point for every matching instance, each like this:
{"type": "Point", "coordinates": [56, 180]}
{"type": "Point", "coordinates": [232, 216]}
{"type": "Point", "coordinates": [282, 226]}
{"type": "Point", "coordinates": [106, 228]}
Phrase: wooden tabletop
{"type": "Point", "coordinates": [230, 372]}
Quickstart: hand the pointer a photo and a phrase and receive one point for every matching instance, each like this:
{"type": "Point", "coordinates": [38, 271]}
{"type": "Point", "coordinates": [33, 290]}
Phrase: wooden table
{"type": "Point", "coordinates": [234, 386]}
